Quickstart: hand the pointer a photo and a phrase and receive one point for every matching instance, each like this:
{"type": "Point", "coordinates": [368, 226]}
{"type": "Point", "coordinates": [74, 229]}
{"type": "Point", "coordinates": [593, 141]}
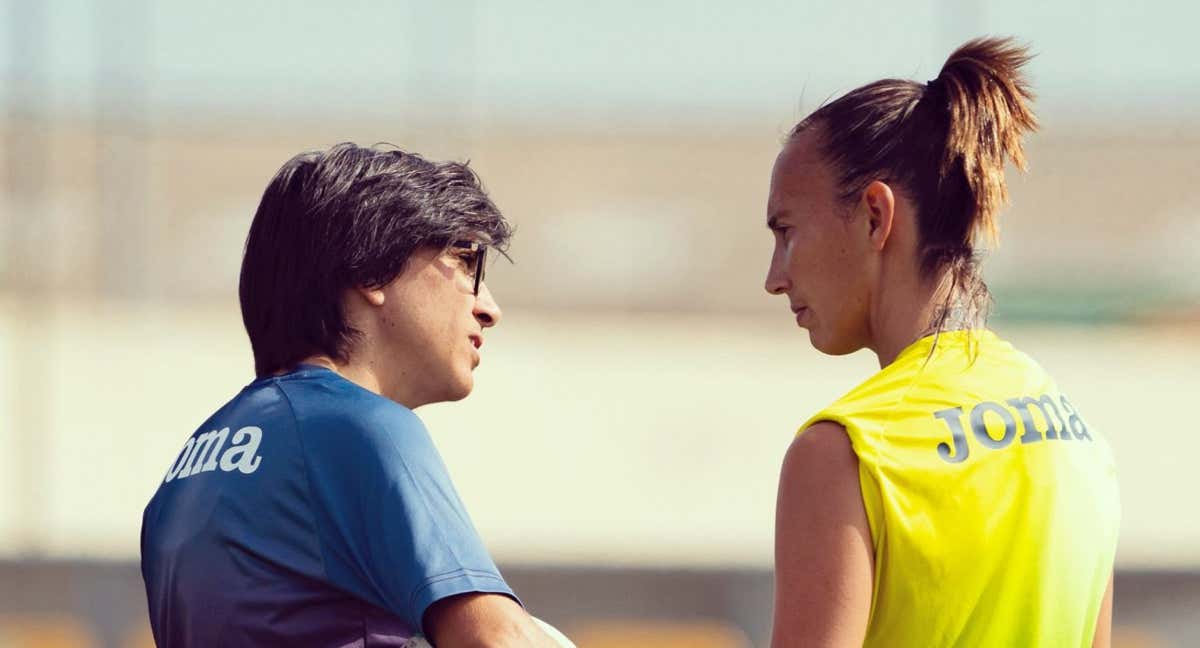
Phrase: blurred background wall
{"type": "Point", "coordinates": [621, 450]}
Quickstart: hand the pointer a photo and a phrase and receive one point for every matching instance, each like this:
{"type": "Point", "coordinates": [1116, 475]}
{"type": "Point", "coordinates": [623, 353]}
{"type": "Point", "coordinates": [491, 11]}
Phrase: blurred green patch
{"type": "Point", "coordinates": [1093, 304]}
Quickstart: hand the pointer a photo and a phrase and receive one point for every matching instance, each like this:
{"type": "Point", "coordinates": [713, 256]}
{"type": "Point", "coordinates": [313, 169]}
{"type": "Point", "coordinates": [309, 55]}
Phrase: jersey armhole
{"type": "Point", "coordinates": [863, 449]}
{"type": "Point", "coordinates": [868, 473]}
{"type": "Point", "coordinates": [868, 484]}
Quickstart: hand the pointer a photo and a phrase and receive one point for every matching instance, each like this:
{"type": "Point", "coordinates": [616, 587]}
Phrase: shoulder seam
{"type": "Point", "coordinates": [890, 413]}
{"type": "Point", "coordinates": [831, 412]}
{"type": "Point", "coordinates": [307, 477]}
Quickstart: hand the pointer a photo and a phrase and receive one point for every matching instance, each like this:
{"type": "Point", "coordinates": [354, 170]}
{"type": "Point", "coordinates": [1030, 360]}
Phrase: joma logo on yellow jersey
{"type": "Point", "coordinates": [990, 416]}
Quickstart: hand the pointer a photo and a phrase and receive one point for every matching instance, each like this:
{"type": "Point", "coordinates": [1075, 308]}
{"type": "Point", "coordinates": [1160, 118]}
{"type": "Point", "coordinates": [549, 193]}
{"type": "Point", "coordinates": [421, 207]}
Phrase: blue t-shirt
{"type": "Point", "coordinates": [307, 511]}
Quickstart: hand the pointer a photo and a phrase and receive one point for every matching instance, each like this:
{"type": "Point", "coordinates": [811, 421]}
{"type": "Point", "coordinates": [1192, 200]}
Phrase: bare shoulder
{"type": "Point", "coordinates": [822, 450]}
{"type": "Point", "coordinates": [819, 491]}
{"type": "Point", "coordinates": [823, 550]}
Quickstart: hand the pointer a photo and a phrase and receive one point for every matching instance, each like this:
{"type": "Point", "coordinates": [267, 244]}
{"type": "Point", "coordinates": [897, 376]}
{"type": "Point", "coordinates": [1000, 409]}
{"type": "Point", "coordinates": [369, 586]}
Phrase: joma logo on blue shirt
{"type": "Point", "coordinates": [1066, 428]}
{"type": "Point", "coordinates": [206, 452]}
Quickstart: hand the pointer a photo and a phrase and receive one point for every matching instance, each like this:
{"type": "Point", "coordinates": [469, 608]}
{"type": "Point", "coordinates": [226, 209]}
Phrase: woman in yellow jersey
{"type": "Point", "coordinates": [957, 497]}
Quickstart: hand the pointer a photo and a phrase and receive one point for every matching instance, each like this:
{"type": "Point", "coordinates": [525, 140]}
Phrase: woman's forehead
{"type": "Point", "coordinates": [800, 174]}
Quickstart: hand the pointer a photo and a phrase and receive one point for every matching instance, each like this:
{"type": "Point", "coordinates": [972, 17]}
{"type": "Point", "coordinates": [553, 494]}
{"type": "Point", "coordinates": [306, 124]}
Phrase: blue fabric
{"type": "Point", "coordinates": [307, 511]}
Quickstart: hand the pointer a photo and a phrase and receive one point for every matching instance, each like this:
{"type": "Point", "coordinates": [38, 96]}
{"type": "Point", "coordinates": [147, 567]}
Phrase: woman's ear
{"type": "Point", "coordinates": [879, 206]}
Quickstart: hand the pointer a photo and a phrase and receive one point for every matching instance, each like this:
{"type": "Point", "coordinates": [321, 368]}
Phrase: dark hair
{"type": "Point", "coordinates": [350, 216]}
{"type": "Point", "coordinates": [945, 143]}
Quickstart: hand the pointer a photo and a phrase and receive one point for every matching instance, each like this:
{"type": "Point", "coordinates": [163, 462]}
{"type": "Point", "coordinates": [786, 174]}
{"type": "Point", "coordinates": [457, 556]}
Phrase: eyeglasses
{"type": "Point", "coordinates": [477, 257]}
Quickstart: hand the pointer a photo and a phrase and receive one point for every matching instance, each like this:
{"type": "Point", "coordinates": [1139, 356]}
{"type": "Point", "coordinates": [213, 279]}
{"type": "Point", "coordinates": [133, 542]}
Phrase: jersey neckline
{"type": "Point", "coordinates": [955, 337]}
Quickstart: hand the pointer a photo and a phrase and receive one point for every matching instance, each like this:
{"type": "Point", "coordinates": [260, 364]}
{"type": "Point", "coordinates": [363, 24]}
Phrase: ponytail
{"type": "Point", "coordinates": [945, 144]}
{"type": "Point", "coordinates": [988, 101]}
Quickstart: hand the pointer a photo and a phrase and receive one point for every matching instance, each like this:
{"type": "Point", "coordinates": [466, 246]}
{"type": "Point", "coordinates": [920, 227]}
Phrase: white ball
{"type": "Point", "coordinates": [554, 633]}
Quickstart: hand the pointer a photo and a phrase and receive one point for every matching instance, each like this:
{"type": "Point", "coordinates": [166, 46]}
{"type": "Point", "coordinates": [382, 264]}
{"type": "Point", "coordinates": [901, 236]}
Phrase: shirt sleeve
{"type": "Point", "coordinates": [390, 524]}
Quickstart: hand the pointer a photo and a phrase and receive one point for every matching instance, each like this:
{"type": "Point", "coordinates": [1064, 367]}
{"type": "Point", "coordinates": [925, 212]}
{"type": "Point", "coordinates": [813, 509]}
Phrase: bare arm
{"type": "Point", "coordinates": [483, 621]}
{"type": "Point", "coordinates": [1103, 636]}
{"type": "Point", "coordinates": [824, 561]}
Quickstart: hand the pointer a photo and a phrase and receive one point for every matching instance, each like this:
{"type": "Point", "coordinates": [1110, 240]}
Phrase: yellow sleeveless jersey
{"type": "Point", "coordinates": [992, 502]}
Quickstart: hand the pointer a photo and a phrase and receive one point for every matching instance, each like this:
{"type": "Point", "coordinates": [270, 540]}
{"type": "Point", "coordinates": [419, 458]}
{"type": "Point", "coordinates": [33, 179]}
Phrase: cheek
{"type": "Point", "coordinates": [810, 267]}
{"type": "Point", "coordinates": [849, 289]}
{"type": "Point", "coordinates": [413, 325]}
{"type": "Point", "coordinates": [831, 277]}
{"type": "Point", "coordinates": [797, 261]}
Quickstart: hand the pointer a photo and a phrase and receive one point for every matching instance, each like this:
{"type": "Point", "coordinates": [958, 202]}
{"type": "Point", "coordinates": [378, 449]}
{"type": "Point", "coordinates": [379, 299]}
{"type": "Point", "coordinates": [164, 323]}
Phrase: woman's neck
{"type": "Point", "coordinates": [910, 311]}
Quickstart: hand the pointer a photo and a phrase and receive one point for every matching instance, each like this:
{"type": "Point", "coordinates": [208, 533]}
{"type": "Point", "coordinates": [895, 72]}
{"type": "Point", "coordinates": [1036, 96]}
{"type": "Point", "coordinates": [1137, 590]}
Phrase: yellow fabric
{"type": "Point", "coordinates": [993, 523]}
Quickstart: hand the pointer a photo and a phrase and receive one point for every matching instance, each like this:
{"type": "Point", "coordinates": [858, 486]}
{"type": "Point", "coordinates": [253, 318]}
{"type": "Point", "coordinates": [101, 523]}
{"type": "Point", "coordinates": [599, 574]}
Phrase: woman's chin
{"type": "Point", "coordinates": [831, 346]}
